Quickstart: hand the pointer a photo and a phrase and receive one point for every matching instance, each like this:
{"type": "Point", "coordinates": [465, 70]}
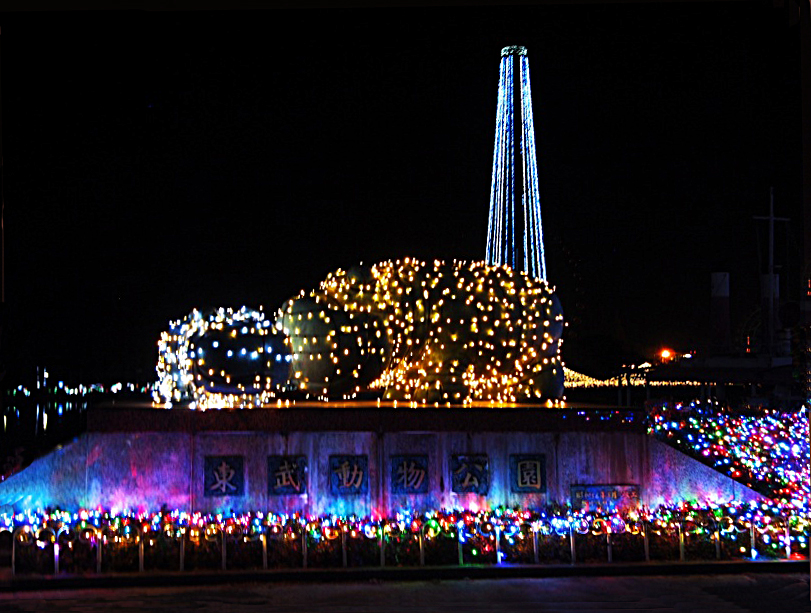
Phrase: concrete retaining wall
{"type": "Point", "coordinates": [145, 470]}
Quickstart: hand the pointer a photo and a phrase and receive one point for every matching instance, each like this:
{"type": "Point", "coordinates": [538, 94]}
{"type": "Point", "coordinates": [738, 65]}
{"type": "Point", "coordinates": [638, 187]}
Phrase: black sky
{"type": "Point", "coordinates": [156, 162]}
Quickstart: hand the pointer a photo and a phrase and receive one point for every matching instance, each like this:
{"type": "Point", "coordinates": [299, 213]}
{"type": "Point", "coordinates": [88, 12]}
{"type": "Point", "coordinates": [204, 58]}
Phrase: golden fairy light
{"type": "Point", "coordinates": [404, 330]}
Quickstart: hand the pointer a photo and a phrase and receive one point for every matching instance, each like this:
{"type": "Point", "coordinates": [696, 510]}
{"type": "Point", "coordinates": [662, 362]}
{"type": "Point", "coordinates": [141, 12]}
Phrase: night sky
{"type": "Point", "coordinates": [157, 162]}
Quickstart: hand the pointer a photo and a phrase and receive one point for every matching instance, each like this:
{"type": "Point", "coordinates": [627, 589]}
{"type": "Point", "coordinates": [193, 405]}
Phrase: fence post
{"type": "Point", "coordinates": [182, 550]}
{"type": "Point", "coordinates": [459, 546]}
{"type": "Point", "coordinates": [224, 551]}
{"type": "Point", "coordinates": [98, 554]}
{"type": "Point", "coordinates": [680, 529]}
{"type": "Point", "coordinates": [535, 546]}
{"type": "Point", "coordinates": [304, 547]}
{"type": "Point", "coordinates": [422, 547]}
{"type": "Point", "coordinates": [717, 536]}
{"type": "Point", "coordinates": [13, 555]}
{"type": "Point", "coordinates": [140, 553]}
{"type": "Point", "coordinates": [343, 546]}
{"type": "Point", "coordinates": [571, 543]}
{"type": "Point", "coordinates": [57, 549]}
{"type": "Point", "coordinates": [646, 541]}
{"type": "Point", "coordinates": [498, 544]}
{"type": "Point", "coordinates": [608, 544]}
{"type": "Point", "coordinates": [264, 551]}
{"type": "Point", "coordinates": [752, 541]}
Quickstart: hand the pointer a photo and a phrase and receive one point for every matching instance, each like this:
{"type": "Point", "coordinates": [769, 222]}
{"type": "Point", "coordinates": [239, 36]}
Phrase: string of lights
{"type": "Point", "coordinates": [515, 132]}
{"type": "Point", "coordinates": [634, 378]}
{"type": "Point", "coordinates": [778, 529]}
{"type": "Point", "coordinates": [534, 262]}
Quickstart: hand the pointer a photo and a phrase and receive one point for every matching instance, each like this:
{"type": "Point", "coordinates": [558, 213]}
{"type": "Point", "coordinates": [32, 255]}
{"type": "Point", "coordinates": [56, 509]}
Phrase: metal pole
{"type": "Point", "coordinates": [680, 529]}
{"type": "Point", "coordinates": [571, 544]}
{"type": "Point", "coordinates": [788, 538]}
{"type": "Point", "coordinates": [805, 89]}
{"type": "Point", "coordinates": [56, 557]}
{"type": "Point", "coordinates": [98, 555]}
{"type": "Point", "coordinates": [182, 550]}
{"type": "Point", "coordinates": [381, 543]}
{"type": "Point", "coordinates": [770, 326]}
{"type": "Point", "coordinates": [772, 290]}
{"type": "Point", "coordinates": [140, 553]}
{"type": "Point", "coordinates": [264, 551]}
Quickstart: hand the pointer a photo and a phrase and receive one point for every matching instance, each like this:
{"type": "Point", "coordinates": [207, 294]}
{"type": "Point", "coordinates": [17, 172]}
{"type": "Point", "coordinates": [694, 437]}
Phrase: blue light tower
{"type": "Point", "coordinates": [514, 233]}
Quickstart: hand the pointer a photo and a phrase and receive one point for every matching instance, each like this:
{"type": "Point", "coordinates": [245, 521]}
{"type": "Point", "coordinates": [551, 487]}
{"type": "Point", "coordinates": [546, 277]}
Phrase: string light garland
{"type": "Point", "coordinates": [775, 530]}
{"type": "Point", "coordinates": [637, 376]}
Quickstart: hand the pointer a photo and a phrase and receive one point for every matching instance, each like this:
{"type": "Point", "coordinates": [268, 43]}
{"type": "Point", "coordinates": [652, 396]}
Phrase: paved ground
{"type": "Point", "coordinates": [772, 593]}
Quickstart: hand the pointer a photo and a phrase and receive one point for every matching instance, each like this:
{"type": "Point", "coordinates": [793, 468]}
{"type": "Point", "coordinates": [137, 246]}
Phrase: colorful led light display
{"type": "Point", "coordinates": [768, 452]}
{"type": "Point", "coordinates": [763, 528]}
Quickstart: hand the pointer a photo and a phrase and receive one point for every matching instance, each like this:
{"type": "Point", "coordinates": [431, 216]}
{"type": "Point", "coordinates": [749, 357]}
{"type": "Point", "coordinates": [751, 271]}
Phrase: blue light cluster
{"type": "Point", "coordinates": [222, 357]}
{"type": "Point", "coordinates": [503, 224]}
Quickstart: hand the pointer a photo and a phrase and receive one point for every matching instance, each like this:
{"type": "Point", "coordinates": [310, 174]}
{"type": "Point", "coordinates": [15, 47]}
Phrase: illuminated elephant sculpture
{"type": "Point", "coordinates": [428, 332]}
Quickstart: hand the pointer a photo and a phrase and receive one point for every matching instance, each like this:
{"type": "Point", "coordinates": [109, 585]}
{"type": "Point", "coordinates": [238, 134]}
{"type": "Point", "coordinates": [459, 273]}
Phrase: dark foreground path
{"type": "Point", "coordinates": [771, 593]}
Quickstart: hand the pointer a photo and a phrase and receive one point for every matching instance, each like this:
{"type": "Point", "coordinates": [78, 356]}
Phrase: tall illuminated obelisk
{"type": "Point", "coordinates": [514, 233]}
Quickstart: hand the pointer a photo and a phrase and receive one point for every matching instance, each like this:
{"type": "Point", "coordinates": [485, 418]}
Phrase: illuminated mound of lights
{"type": "Point", "coordinates": [768, 452]}
{"type": "Point", "coordinates": [402, 330]}
{"type": "Point", "coordinates": [428, 332]}
{"type": "Point", "coordinates": [221, 358]}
